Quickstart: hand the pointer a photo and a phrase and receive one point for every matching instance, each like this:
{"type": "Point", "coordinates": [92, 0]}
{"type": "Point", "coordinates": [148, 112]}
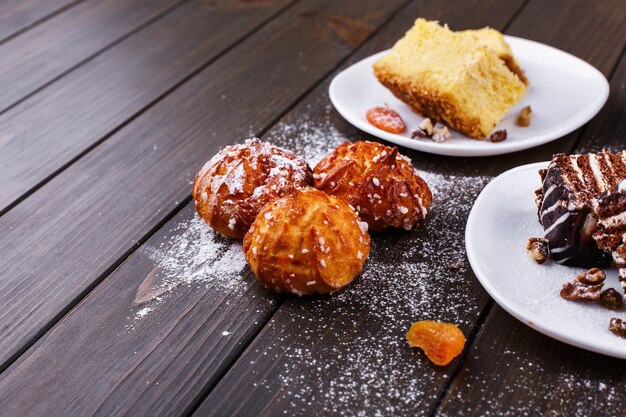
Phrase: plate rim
{"type": "Point", "coordinates": [461, 151]}
{"type": "Point", "coordinates": [492, 290]}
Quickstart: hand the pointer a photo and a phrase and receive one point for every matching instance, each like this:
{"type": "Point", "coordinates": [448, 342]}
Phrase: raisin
{"type": "Point", "coordinates": [441, 342]}
{"type": "Point", "coordinates": [611, 299]}
{"type": "Point", "coordinates": [386, 119]}
{"type": "Point", "coordinates": [618, 327]}
{"type": "Point", "coordinates": [498, 136]}
{"type": "Point", "coordinates": [418, 133]}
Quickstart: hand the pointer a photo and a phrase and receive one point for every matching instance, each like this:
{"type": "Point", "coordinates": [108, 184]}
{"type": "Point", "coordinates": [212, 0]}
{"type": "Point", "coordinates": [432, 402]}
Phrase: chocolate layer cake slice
{"type": "Point", "coordinates": [571, 186]}
{"type": "Point", "coordinates": [610, 210]}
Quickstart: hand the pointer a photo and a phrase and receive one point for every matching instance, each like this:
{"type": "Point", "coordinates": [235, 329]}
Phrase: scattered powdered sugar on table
{"type": "Point", "coordinates": [349, 356]}
{"type": "Point", "coordinates": [310, 139]}
{"type": "Point", "coordinates": [199, 255]}
{"type": "Point", "coordinates": [535, 389]}
{"type": "Point", "coordinates": [143, 312]}
{"type": "Point", "coordinates": [193, 255]}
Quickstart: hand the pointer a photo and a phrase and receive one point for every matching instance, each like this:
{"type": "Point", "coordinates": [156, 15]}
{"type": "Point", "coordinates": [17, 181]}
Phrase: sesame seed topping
{"type": "Point", "coordinates": [375, 181]}
{"type": "Point", "coordinates": [323, 263]}
{"type": "Point", "coordinates": [309, 283]}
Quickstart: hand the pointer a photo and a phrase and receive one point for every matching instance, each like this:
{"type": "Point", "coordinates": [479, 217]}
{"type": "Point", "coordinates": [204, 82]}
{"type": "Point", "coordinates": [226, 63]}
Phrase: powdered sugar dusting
{"type": "Point", "coordinates": [364, 366]}
{"type": "Point", "coordinates": [517, 392]}
{"type": "Point", "coordinates": [193, 255]}
{"type": "Point", "coordinates": [310, 139]}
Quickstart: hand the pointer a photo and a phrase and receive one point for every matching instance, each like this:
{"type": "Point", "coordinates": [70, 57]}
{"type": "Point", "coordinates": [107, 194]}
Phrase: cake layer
{"type": "Point", "coordinates": [610, 210]}
{"type": "Point", "coordinates": [571, 187]}
{"type": "Point", "coordinates": [494, 40]}
{"type": "Point", "coordinates": [450, 77]}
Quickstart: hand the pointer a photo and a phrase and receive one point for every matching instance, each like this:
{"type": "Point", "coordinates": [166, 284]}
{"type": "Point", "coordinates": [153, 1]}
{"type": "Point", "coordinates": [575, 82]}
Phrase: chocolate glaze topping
{"type": "Point", "coordinates": [572, 186]}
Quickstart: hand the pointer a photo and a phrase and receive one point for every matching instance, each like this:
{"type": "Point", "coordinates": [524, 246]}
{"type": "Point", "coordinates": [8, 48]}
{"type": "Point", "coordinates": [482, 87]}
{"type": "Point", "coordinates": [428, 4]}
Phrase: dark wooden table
{"type": "Point", "coordinates": [107, 110]}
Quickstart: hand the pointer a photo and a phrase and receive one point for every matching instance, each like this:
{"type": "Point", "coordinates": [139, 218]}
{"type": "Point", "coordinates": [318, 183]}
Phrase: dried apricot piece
{"type": "Point", "coordinates": [386, 119]}
{"type": "Point", "coordinates": [441, 342]}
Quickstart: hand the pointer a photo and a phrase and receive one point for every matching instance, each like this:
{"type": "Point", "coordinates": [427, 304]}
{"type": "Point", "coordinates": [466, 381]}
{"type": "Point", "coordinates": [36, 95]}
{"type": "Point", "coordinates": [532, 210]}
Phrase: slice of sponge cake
{"type": "Point", "coordinates": [494, 40]}
{"type": "Point", "coordinates": [451, 77]}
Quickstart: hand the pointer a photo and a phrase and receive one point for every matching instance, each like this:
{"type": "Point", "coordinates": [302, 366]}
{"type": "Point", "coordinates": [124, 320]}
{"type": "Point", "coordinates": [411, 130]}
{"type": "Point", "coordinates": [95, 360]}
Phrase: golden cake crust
{"type": "Point", "coordinates": [307, 242]}
{"type": "Point", "coordinates": [230, 189]}
{"type": "Point", "coordinates": [377, 181]}
{"type": "Point", "coordinates": [430, 103]}
{"type": "Point", "coordinates": [460, 78]}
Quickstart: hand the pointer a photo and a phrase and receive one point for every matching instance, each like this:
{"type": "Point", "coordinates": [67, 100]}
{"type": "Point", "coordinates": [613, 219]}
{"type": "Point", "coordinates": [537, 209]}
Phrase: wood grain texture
{"type": "Point", "coordinates": [346, 354]}
{"type": "Point", "coordinates": [43, 134]}
{"type": "Point", "coordinates": [608, 129]}
{"type": "Point", "coordinates": [535, 374]}
{"type": "Point", "coordinates": [145, 171]}
{"type": "Point", "coordinates": [113, 356]}
{"type": "Point", "coordinates": [45, 52]}
{"type": "Point", "coordinates": [19, 15]}
{"type": "Point", "coordinates": [514, 370]}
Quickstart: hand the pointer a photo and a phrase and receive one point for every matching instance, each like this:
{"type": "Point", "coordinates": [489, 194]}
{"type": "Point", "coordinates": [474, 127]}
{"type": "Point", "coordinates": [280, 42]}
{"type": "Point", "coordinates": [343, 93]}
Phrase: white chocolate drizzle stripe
{"type": "Point", "coordinates": [557, 222]}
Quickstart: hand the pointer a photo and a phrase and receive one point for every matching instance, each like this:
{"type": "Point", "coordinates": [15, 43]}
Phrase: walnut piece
{"type": "Point", "coordinates": [586, 286]}
{"type": "Point", "coordinates": [593, 276]}
{"type": "Point", "coordinates": [524, 117]}
{"type": "Point", "coordinates": [618, 327]}
{"type": "Point", "coordinates": [441, 134]}
{"type": "Point", "coordinates": [537, 248]}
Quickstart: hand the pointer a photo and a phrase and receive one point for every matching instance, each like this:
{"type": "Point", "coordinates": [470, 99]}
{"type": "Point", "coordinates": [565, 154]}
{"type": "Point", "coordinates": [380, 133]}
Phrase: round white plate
{"type": "Point", "coordinates": [501, 221]}
{"type": "Point", "coordinates": [565, 92]}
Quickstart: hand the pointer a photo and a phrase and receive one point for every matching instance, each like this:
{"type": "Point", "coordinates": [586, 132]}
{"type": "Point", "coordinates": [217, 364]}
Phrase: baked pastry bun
{"type": "Point", "coordinates": [380, 183]}
{"type": "Point", "coordinates": [230, 189]}
{"type": "Point", "coordinates": [307, 242]}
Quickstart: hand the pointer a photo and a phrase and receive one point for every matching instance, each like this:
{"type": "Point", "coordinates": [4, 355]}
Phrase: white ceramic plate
{"type": "Point", "coordinates": [501, 221]}
{"type": "Point", "coordinates": [565, 92]}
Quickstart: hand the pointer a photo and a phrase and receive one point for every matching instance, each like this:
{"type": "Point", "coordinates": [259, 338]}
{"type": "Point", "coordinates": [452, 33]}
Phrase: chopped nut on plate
{"type": "Point", "coordinates": [594, 276]}
{"type": "Point", "coordinates": [524, 117]}
{"type": "Point", "coordinates": [537, 248]}
{"type": "Point", "coordinates": [424, 130]}
{"type": "Point", "coordinates": [618, 327]}
{"type": "Point", "coordinates": [498, 136]}
{"type": "Point", "coordinates": [586, 286]}
{"type": "Point", "coordinates": [611, 299]}
{"type": "Point", "coordinates": [441, 134]}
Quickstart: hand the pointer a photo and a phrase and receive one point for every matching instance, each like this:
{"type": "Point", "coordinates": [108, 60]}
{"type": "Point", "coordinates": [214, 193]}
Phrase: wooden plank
{"type": "Point", "coordinates": [346, 354]}
{"type": "Point", "coordinates": [112, 355]}
{"type": "Point", "coordinates": [333, 357]}
{"type": "Point", "coordinates": [608, 129]}
{"type": "Point", "coordinates": [538, 375]}
{"type": "Point", "coordinates": [145, 171]}
{"type": "Point", "coordinates": [43, 134]}
{"type": "Point", "coordinates": [44, 53]}
{"type": "Point", "coordinates": [515, 371]}
{"type": "Point", "coordinates": [19, 15]}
